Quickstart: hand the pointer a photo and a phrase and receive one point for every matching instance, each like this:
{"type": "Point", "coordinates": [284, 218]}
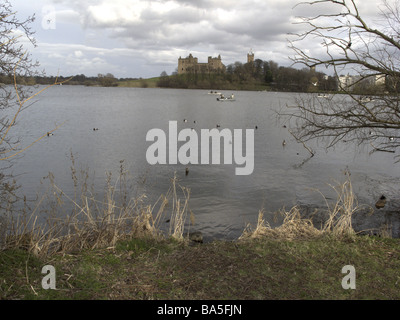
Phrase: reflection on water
{"type": "Point", "coordinates": [222, 202]}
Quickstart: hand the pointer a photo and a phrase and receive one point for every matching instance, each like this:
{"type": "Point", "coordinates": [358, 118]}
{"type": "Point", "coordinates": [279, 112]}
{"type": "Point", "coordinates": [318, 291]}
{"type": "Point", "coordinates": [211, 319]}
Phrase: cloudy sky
{"type": "Point", "coordinates": [142, 38]}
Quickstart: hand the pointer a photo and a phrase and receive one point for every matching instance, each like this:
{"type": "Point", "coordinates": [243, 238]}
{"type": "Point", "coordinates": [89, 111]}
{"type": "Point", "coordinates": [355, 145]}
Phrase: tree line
{"type": "Point", "coordinates": [103, 80]}
{"type": "Point", "coordinates": [259, 75]}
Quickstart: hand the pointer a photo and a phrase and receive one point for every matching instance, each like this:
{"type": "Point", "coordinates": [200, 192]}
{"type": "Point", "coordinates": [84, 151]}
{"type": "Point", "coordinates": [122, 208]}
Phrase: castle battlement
{"type": "Point", "coordinates": [250, 56]}
{"type": "Point", "coordinates": [191, 64]}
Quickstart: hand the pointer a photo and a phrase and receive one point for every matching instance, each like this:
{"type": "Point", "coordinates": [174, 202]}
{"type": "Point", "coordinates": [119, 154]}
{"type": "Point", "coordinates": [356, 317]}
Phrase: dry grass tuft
{"type": "Point", "coordinates": [92, 223]}
{"type": "Point", "coordinates": [293, 227]}
{"type": "Point", "coordinates": [341, 212]}
{"type": "Point", "coordinates": [338, 223]}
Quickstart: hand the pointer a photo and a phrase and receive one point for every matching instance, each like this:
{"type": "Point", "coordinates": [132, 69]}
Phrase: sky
{"type": "Point", "coordinates": [142, 38]}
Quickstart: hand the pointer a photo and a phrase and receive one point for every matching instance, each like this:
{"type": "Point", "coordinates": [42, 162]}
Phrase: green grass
{"type": "Point", "coordinates": [251, 269]}
{"type": "Point", "coordinates": [140, 83]}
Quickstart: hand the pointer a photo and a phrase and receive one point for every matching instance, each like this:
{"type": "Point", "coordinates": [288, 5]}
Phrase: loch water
{"type": "Point", "coordinates": [223, 203]}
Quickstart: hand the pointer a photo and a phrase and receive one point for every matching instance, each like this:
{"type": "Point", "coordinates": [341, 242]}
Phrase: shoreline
{"type": "Point", "coordinates": [101, 261]}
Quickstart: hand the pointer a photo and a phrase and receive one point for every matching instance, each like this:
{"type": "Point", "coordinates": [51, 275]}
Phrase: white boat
{"type": "Point", "coordinates": [365, 99]}
{"type": "Point", "coordinates": [222, 98]}
{"type": "Point", "coordinates": [226, 99]}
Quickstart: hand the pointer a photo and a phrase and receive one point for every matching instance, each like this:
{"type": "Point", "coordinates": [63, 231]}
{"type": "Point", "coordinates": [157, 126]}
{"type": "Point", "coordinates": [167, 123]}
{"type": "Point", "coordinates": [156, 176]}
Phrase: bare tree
{"type": "Point", "coordinates": [13, 60]}
{"type": "Point", "coordinates": [15, 63]}
{"type": "Point", "coordinates": [370, 52]}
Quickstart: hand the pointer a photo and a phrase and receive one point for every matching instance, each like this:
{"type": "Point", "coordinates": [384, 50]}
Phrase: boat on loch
{"type": "Point", "coordinates": [230, 98]}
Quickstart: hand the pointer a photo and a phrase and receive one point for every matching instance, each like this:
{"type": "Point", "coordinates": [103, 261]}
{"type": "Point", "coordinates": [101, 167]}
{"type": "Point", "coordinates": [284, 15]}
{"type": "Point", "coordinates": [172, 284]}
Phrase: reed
{"type": "Point", "coordinates": [342, 210]}
{"type": "Point", "coordinates": [338, 223]}
{"type": "Point", "coordinates": [93, 223]}
{"type": "Point", "coordinates": [179, 210]}
{"type": "Point", "coordinates": [293, 227]}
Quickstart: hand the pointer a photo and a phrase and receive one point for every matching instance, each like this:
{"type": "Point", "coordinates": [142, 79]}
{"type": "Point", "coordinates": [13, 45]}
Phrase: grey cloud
{"type": "Point", "coordinates": [161, 31]}
{"type": "Point", "coordinates": [176, 15]}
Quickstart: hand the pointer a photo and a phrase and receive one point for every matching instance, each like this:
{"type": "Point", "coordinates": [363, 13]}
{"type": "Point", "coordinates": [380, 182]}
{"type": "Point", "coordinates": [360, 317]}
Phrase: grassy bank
{"type": "Point", "coordinates": [114, 249]}
{"type": "Point", "coordinates": [140, 83]}
{"type": "Point", "coordinates": [256, 269]}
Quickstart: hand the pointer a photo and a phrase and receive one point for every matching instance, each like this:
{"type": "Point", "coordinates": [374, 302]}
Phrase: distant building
{"type": "Point", "coordinates": [347, 82]}
{"type": "Point", "coordinates": [380, 79]}
{"type": "Point", "coordinates": [250, 56]}
{"type": "Point", "coordinates": [192, 65]}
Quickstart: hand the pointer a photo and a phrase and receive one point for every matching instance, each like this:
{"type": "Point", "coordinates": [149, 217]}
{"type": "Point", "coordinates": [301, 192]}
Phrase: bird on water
{"type": "Point", "coordinates": [381, 202]}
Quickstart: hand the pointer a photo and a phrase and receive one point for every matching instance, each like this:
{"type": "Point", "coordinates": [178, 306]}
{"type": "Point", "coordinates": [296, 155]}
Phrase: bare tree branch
{"type": "Point", "coordinates": [15, 63]}
{"type": "Point", "coordinates": [351, 44]}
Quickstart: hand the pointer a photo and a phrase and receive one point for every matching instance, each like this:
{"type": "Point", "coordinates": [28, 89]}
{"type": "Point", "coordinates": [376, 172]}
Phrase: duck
{"type": "Point", "coordinates": [95, 129]}
{"type": "Point", "coordinates": [218, 126]}
{"type": "Point", "coordinates": [256, 127]}
{"type": "Point", "coordinates": [381, 202]}
{"type": "Point", "coordinates": [49, 134]}
{"type": "Point", "coordinates": [196, 236]}
{"type": "Point", "coordinates": [184, 120]}
{"type": "Point", "coordinates": [284, 143]}
{"type": "Point", "coordinates": [187, 171]}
